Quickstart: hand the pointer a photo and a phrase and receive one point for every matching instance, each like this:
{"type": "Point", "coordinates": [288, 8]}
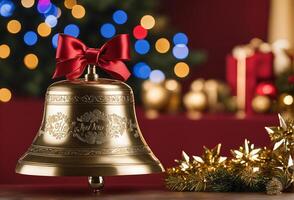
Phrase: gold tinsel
{"type": "Point", "coordinates": [270, 170]}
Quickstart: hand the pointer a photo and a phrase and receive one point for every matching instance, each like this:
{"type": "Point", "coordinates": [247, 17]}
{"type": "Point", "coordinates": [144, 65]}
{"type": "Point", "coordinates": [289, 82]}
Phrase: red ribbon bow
{"type": "Point", "coordinates": [73, 56]}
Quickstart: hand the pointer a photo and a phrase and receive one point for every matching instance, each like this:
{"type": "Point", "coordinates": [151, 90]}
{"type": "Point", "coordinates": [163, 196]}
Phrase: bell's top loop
{"type": "Point", "coordinates": [91, 74]}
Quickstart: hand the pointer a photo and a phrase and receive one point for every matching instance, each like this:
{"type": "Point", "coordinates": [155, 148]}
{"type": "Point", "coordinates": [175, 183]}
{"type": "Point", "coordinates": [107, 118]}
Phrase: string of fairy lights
{"type": "Point", "coordinates": [52, 13]}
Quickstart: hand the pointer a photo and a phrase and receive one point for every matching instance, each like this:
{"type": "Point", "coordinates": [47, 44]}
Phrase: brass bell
{"type": "Point", "coordinates": [89, 128]}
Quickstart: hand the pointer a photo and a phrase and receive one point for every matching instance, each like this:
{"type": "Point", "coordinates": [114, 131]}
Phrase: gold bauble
{"type": "Point", "coordinates": [197, 85]}
{"type": "Point", "coordinates": [286, 101]}
{"type": "Point", "coordinates": [154, 95]}
{"type": "Point", "coordinates": [174, 89]}
{"type": "Point", "coordinates": [261, 104]}
{"type": "Point", "coordinates": [195, 101]}
{"type": "Point", "coordinates": [286, 105]}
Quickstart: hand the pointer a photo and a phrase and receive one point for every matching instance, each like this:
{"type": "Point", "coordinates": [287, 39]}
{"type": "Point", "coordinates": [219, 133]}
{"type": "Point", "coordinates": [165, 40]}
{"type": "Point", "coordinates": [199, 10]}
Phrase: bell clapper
{"type": "Point", "coordinates": [96, 183]}
{"type": "Point", "coordinates": [91, 73]}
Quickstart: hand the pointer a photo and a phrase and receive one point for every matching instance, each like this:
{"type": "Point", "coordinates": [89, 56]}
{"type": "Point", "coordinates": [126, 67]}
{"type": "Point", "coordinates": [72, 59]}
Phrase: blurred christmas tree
{"type": "Point", "coordinates": [30, 31]}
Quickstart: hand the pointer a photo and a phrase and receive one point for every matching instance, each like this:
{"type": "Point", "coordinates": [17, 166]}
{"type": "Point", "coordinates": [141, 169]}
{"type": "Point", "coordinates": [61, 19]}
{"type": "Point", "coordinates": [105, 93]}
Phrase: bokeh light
{"type": "Point", "coordinates": [52, 11]}
{"type": "Point", "coordinates": [141, 70]}
{"type": "Point", "coordinates": [181, 69]}
{"type": "Point", "coordinates": [44, 30]}
{"type": "Point", "coordinates": [27, 3]}
{"type": "Point", "coordinates": [147, 21]}
{"type": "Point", "coordinates": [72, 30]}
{"type": "Point", "coordinates": [180, 38]}
{"type": "Point", "coordinates": [13, 26]}
{"type": "Point", "coordinates": [162, 45]}
{"type": "Point", "coordinates": [51, 21]}
{"type": "Point", "coordinates": [30, 38]}
{"type": "Point", "coordinates": [142, 46]}
{"type": "Point", "coordinates": [58, 12]}
{"type": "Point", "coordinates": [6, 8]}
{"type": "Point", "coordinates": [31, 61]}
{"type": "Point", "coordinates": [78, 11]}
{"type": "Point", "coordinates": [4, 51]}
{"type": "Point", "coordinates": [288, 100]}
{"type": "Point", "coordinates": [69, 4]}
{"type": "Point", "coordinates": [44, 6]}
{"type": "Point", "coordinates": [55, 40]}
{"type": "Point", "coordinates": [107, 30]}
{"type": "Point", "coordinates": [156, 76]}
{"type": "Point", "coordinates": [139, 32]}
{"type": "Point", "coordinates": [5, 95]}
{"type": "Point", "coordinates": [180, 51]}
{"type": "Point", "coordinates": [120, 17]}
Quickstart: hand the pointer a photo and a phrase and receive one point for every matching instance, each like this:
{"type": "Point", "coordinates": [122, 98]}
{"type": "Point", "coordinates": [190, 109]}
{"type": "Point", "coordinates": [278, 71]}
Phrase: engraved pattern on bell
{"type": "Point", "coordinates": [59, 152]}
{"type": "Point", "coordinates": [97, 127]}
{"type": "Point", "coordinates": [89, 99]}
{"type": "Point", "coordinates": [93, 127]}
{"type": "Point", "coordinates": [57, 125]}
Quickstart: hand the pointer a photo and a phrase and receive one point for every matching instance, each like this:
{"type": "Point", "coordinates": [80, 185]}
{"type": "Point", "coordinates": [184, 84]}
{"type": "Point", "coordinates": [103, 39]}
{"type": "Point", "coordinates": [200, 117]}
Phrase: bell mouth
{"type": "Point", "coordinates": [39, 169]}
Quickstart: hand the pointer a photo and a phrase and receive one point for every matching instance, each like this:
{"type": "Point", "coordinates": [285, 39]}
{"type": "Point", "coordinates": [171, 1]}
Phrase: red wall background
{"type": "Point", "coordinates": [218, 26]}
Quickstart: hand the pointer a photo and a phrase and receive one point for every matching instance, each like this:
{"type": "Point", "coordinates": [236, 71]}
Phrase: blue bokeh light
{"type": "Point", "coordinates": [55, 40]}
{"type": "Point", "coordinates": [141, 70]}
{"type": "Point", "coordinates": [44, 6]}
{"type": "Point", "coordinates": [156, 76]}
{"type": "Point", "coordinates": [180, 38]}
{"type": "Point", "coordinates": [72, 30]}
{"type": "Point", "coordinates": [107, 30]}
{"type": "Point", "coordinates": [6, 8]}
{"type": "Point", "coordinates": [120, 17]}
{"type": "Point", "coordinates": [142, 46]}
{"type": "Point", "coordinates": [30, 38]}
{"type": "Point", "coordinates": [51, 21]}
{"type": "Point", "coordinates": [180, 51]}
{"type": "Point", "coordinates": [53, 10]}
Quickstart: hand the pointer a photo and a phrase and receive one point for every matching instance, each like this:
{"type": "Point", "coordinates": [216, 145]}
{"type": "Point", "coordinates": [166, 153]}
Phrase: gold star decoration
{"type": "Point", "coordinates": [246, 154]}
{"type": "Point", "coordinates": [211, 159]}
{"type": "Point", "coordinates": [282, 135]}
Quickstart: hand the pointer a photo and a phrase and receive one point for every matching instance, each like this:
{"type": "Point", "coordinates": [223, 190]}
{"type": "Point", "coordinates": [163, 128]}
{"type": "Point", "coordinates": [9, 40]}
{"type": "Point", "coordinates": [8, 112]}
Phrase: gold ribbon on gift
{"type": "Point", "coordinates": [241, 53]}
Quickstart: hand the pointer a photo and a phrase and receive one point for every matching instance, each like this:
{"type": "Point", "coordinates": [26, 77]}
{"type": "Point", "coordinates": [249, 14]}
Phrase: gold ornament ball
{"type": "Point", "coordinates": [198, 85]}
{"type": "Point", "coordinates": [154, 95]}
{"type": "Point", "coordinates": [195, 101]}
{"type": "Point", "coordinates": [261, 104]}
{"type": "Point", "coordinates": [286, 100]}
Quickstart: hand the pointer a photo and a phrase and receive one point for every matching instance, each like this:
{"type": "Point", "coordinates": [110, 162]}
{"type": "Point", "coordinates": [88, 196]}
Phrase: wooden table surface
{"type": "Point", "coordinates": [32, 192]}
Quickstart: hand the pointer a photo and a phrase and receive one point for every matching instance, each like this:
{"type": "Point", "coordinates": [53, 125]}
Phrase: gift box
{"type": "Point", "coordinates": [258, 68]}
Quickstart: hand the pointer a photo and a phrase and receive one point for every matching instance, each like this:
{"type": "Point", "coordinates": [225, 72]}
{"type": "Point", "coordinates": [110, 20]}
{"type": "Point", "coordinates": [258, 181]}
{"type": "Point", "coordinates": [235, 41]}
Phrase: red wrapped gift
{"type": "Point", "coordinates": [258, 68]}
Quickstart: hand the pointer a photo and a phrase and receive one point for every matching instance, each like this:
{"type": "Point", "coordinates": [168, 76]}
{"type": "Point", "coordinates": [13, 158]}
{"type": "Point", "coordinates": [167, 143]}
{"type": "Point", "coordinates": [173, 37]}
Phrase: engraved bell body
{"type": "Point", "coordinates": [89, 128]}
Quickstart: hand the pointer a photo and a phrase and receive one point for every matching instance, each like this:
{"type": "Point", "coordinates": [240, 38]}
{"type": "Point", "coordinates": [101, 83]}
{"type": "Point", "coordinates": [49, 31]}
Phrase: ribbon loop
{"type": "Point", "coordinates": [72, 57]}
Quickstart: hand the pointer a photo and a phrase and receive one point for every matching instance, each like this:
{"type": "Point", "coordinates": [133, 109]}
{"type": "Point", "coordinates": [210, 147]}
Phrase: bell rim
{"type": "Point", "coordinates": [28, 168]}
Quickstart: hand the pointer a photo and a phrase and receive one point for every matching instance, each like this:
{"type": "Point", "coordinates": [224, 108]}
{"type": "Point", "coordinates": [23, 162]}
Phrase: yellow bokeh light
{"type": "Point", "coordinates": [147, 21]}
{"type": "Point", "coordinates": [5, 95]}
{"type": "Point", "coordinates": [44, 30]}
{"type": "Point", "coordinates": [4, 51]}
{"type": "Point", "coordinates": [288, 100]}
{"type": "Point", "coordinates": [69, 4]}
{"type": "Point", "coordinates": [27, 3]}
{"type": "Point", "coordinates": [162, 45]}
{"type": "Point", "coordinates": [78, 11]}
{"type": "Point", "coordinates": [13, 26]}
{"type": "Point", "coordinates": [181, 69]}
{"type": "Point", "coordinates": [31, 61]}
